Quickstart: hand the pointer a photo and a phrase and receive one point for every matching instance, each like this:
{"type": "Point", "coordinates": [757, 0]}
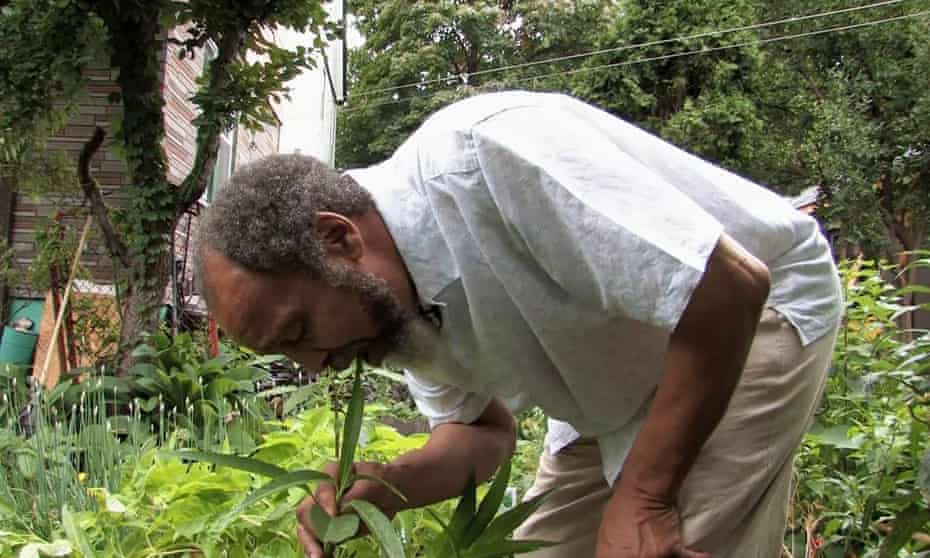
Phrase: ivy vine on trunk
{"type": "Point", "coordinates": [46, 44]}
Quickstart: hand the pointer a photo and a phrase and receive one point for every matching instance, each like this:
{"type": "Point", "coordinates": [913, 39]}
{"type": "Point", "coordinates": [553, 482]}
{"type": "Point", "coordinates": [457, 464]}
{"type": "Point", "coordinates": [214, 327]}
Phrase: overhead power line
{"type": "Point", "coordinates": [751, 27]}
{"type": "Point", "coordinates": [782, 38]}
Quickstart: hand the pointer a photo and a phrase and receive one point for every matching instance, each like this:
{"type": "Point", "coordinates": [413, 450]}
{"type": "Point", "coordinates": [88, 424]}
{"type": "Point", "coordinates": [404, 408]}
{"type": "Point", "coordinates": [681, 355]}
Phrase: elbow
{"type": "Point", "coordinates": [758, 284]}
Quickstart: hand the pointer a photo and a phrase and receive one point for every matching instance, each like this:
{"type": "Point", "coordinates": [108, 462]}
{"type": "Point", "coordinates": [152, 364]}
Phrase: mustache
{"type": "Point", "coordinates": [341, 357]}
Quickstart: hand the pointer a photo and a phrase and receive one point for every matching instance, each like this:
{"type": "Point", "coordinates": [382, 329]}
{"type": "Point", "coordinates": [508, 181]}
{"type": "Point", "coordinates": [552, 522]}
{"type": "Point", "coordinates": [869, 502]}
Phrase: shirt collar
{"type": "Point", "coordinates": [410, 219]}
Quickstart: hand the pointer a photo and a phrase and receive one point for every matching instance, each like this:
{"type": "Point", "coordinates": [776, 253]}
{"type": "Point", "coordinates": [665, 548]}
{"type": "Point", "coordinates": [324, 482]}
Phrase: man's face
{"type": "Point", "coordinates": [311, 321]}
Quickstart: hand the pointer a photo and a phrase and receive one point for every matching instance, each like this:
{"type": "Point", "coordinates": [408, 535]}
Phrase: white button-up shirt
{"type": "Point", "coordinates": [562, 245]}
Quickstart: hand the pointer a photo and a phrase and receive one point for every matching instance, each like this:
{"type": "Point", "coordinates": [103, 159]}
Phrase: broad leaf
{"type": "Point", "coordinates": [75, 533]}
{"type": "Point", "coordinates": [380, 527]}
{"type": "Point", "coordinates": [352, 429]}
{"type": "Point", "coordinates": [235, 462]}
{"type": "Point", "coordinates": [300, 396]}
{"type": "Point", "coordinates": [330, 529]}
{"type": "Point", "coordinates": [836, 436]}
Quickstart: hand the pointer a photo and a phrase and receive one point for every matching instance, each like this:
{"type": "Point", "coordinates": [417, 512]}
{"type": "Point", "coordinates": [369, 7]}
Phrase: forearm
{"type": "Point", "coordinates": [454, 452]}
{"type": "Point", "coordinates": [703, 364]}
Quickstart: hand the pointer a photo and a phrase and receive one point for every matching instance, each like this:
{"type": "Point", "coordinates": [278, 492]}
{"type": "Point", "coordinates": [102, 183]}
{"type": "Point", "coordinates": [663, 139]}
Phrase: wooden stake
{"type": "Point", "coordinates": [64, 298]}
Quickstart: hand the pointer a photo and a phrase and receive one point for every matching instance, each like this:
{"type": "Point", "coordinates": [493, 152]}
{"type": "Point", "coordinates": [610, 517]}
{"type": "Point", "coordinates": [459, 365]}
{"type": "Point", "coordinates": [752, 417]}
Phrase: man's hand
{"type": "Point", "coordinates": [636, 525]}
{"type": "Point", "coordinates": [325, 496]}
{"type": "Point", "coordinates": [705, 358]}
{"type": "Point", "coordinates": [438, 471]}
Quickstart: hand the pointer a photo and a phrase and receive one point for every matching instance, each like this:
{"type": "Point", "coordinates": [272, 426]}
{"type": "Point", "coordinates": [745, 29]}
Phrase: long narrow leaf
{"type": "Point", "coordinates": [464, 513]}
{"type": "Point", "coordinates": [489, 506]}
{"type": "Point", "coordinates": [246, 464]}
{"type": "Point", "coordinates": [75, 533]}
{"type": "Point", "coordinates": [352, 429]}
{"type": "Point", "coordinates": [380, 527]}
{"type": "Point", "coordinates": [283, 482]}
{"type": "Point", "coordinates": [444, 540]}
{"type": "Point", "coordinates": [506, 523]}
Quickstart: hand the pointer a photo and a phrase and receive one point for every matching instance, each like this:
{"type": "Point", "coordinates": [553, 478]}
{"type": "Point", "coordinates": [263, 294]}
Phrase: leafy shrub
{"type": "Point", "coordinates": [864, 467]}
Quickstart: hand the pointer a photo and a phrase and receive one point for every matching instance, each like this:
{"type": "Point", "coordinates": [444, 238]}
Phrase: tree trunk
{"type": "Point", "coordinates": [141, 304]}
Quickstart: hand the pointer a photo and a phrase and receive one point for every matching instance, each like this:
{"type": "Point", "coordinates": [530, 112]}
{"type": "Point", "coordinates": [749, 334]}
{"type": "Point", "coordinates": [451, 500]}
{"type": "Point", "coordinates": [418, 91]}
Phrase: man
{"type": "Point", "coordinates": [674, 320]}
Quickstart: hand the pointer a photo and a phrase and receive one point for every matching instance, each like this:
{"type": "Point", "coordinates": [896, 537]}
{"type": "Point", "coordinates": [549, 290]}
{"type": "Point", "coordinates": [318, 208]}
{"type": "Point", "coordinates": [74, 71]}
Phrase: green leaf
{"type": "Point", "coordinates": [352, 429]}
{"type": "Point", "coordinates": [144, 351]}
{"type": "Point", "coordinates": [464, 513]}
{"type": "Point", "coordinates": [906, 523]}
{"type": "Point", "coordinates": [236, 462]}
{"type": "Point", "coordinates": [836, 436]}
{"type": "Point", "coordinates": [75, 533]}
{"type": "Point", "coordinates": [924, 478]}
{"type": "Point", "coordinates": [283, 482]}
{"type": "Point", "coordinates": [489, 506]}
{"type": "Point", "coordinates": [503, 526]}
{"type": "Point", "coordinates": [333, 529]}
{"type": "Point", "coordinates": [380, 527]}
{"type": "Point", "coordinates": [300, 396]}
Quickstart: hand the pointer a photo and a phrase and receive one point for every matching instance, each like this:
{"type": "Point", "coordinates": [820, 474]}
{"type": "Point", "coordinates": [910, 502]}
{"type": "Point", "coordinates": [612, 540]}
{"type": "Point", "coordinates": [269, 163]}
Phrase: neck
{"type": "Point", "coordinates": [387, 262]}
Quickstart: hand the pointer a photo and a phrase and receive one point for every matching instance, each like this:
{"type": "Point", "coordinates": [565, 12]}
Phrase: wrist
{"type": "Point", "coordinates": [396, 476]}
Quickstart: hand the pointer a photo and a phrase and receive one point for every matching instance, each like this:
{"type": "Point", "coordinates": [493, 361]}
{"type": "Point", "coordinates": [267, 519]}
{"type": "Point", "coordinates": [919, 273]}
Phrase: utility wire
{"type": "Point", "coordinates": [781, 38]}
{"type": "Point", "coordinates": [792, 19]}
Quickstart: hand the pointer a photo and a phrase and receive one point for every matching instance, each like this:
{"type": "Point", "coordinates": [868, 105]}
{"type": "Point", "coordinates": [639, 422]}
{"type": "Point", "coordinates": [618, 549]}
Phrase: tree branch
{"type": "Point", "coordinates": [208, 137]}
{"type": "Point", "coordinates": [97, 207]}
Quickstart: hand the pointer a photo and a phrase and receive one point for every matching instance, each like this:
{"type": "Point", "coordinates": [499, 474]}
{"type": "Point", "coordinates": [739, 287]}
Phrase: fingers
{"type": "Point", "coordinates": [312, 547]}
{"type": "Point", "coordinates": [685, 553]}
{"type": "Point", "coordinates": [326, 498]}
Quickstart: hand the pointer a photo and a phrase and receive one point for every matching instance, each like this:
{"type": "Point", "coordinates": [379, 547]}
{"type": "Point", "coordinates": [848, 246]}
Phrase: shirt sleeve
{"type": "Point", "coordinates": [604, 227]}
{"type": "Point", "coordinates": [442, 404]}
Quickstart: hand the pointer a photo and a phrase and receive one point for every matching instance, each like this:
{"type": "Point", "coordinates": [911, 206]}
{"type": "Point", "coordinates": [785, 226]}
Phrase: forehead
{"type": "Point", "coordinates": [252, 307]}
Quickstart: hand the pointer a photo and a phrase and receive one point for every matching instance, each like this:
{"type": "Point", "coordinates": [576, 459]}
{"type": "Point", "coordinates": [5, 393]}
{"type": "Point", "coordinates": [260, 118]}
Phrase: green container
{"type": "Point", "coordinates": [17, 347]}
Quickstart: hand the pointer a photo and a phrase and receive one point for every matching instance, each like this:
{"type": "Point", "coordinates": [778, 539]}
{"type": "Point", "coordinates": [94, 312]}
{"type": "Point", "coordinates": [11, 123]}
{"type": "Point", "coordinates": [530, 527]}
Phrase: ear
{"type": "Point", "coordinates": [340, 236]}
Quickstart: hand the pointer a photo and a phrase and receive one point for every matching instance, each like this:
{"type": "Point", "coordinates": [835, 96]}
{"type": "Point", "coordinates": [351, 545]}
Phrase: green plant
{"type": "Point", "coordinates": [864, 469]}
{"type": "Point", "coordinates": [471, 533]}
{"type": "Point", "coordinates": [214, 399]}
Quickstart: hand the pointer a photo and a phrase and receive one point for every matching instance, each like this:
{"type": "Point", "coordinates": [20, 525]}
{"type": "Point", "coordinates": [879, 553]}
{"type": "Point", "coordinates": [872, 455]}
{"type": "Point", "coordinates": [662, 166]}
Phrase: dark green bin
{"type": "Point", "coordinates": [17, 347]}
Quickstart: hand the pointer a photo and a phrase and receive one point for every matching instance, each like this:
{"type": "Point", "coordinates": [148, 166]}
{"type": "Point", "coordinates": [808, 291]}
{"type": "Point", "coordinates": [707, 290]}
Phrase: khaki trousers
{"type": "Point", "coordinates": [734, 501]}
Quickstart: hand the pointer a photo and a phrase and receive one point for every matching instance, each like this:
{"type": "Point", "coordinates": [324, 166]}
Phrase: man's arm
{"type": "Point", "coordinates": [437, 471]}
{"type": "Point", "coordinates": [705, 358]}
{"type": "Point", "coordinates": [441, 468]}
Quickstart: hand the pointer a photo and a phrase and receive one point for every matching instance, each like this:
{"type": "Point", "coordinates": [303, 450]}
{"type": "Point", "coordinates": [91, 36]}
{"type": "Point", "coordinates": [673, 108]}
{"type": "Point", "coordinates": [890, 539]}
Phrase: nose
{"type": "Point", "coordinates": [311, 360]}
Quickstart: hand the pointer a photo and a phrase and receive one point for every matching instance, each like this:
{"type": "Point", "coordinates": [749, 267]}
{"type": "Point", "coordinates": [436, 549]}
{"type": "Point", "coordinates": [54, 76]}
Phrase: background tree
{"type": "Point", "coordinates": [451, 50]}
{"type": "Point", "coordinates": [845, 108]}
{"type": "Point", "coordinates": [46, 44]}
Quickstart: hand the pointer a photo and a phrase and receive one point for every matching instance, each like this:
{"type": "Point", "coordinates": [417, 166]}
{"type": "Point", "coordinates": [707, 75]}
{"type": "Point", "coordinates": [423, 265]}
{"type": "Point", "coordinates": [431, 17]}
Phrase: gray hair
{"type": "Point", "coordinates": [264, 218]}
